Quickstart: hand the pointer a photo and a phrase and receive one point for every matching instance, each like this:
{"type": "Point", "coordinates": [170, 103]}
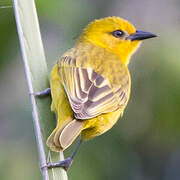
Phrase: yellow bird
{"type": "Point", "coordinates": [90, 84]}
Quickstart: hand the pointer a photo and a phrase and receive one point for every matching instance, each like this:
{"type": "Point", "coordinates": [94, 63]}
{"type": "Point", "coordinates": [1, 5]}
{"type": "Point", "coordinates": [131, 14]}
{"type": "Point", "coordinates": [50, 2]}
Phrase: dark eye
{"type": "Point", "coordinates": [118, 33]}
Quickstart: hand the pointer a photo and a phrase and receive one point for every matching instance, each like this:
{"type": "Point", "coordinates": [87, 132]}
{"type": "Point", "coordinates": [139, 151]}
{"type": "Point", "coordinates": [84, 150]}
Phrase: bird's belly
{"type": "Point", "coordinates": [99, 125]}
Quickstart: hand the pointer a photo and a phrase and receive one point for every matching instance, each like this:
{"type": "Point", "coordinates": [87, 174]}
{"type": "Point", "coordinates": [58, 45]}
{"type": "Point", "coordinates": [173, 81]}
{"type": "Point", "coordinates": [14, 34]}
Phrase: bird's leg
{"type": "Point", "coordinates": [68, 161]}
{"type": "Point", "coordinates": [43, 93]}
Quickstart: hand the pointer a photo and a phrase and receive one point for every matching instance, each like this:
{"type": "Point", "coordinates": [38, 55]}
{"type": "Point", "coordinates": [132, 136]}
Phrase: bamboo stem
{"type": "Point", "coordinates": [36, 74]}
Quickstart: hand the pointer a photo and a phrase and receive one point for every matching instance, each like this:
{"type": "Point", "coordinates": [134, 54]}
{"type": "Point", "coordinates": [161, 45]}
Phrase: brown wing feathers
{"type": "Point", "coordinates": [89, 94]}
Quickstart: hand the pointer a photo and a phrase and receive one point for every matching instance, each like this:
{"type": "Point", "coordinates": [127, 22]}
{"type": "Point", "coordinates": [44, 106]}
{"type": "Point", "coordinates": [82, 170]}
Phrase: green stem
{"type": "Point", "coordinates": [37, 79]}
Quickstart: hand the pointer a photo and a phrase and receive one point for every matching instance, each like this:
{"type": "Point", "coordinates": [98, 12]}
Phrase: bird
{"type": "Point", "coordinates": [90, 85]}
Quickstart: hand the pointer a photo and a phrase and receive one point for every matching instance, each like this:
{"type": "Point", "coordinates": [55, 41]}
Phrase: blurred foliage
{"type": "Point", "coordinates": [144, 144]}
{"type": "Point", "coordinates": [7, 30]}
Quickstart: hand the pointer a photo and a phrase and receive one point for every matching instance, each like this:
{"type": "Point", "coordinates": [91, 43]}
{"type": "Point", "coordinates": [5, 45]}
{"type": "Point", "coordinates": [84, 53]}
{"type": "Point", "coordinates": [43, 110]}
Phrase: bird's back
{"type": "Point", "coordinates": [102, 63]}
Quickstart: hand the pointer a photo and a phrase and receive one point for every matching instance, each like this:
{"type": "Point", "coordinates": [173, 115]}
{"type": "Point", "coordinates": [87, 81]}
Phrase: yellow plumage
{"type": "Point", "coordinates": [90, 84]}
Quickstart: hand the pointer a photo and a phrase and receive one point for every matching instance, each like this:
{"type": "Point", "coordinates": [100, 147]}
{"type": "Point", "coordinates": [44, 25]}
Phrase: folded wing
{"type": "Point", "coordinates": [89, 93]}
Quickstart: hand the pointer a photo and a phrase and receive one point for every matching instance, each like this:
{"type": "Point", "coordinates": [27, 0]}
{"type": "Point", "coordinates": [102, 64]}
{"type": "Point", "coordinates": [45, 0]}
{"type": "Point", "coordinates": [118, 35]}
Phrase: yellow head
{"type": "Point", "coordinates": [116, 35]}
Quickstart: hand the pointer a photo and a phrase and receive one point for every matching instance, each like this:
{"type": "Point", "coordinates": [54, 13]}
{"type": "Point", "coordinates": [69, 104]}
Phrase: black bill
{"type": "Point", "coordinates": [141, 35]}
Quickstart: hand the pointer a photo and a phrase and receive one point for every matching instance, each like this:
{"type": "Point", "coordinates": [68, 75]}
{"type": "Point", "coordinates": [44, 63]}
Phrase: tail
{"type": "Point", "coordinates": [63, 136]}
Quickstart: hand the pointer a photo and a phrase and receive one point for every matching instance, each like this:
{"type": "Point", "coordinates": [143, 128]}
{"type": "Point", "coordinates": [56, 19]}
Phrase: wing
{"type": "Point", "coordinates": [89, 93]}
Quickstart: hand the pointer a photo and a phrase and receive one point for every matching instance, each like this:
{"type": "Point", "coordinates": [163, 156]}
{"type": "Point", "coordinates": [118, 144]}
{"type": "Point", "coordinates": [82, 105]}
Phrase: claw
{"type": "Point", "coordinates": [44, 166]}
{"type": "Point", "coordinates": [66, 163]}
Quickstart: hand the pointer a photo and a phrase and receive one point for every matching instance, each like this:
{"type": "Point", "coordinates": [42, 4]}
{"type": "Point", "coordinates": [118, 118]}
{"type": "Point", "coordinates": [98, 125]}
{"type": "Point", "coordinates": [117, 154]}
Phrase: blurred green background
{"type": "Point", "coordinates": [145, 143]}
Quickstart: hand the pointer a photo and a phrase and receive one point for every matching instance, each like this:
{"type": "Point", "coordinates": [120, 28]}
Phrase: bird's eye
{"type": "Point", "coordinates": [118, 33]}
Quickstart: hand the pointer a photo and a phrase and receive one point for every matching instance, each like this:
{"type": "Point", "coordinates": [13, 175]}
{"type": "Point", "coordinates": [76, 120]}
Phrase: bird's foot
{"type": "Point", "coordinates": [64, 164]}
{"type": "Point", "coordinates": [42, 93]}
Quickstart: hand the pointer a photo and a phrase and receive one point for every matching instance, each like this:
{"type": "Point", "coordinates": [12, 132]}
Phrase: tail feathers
{"type": "Point", "coordinates": [70, 133]}
{"type": "Point", "coordinates": [62, 138]}
{"type": "Point", "coordinates": [50, 142]}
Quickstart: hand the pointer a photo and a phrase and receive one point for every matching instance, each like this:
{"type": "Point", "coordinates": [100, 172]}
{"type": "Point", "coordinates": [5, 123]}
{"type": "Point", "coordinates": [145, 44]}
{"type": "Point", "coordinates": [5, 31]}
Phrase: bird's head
{"type": "Point", "coordinates": [116, 35]}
